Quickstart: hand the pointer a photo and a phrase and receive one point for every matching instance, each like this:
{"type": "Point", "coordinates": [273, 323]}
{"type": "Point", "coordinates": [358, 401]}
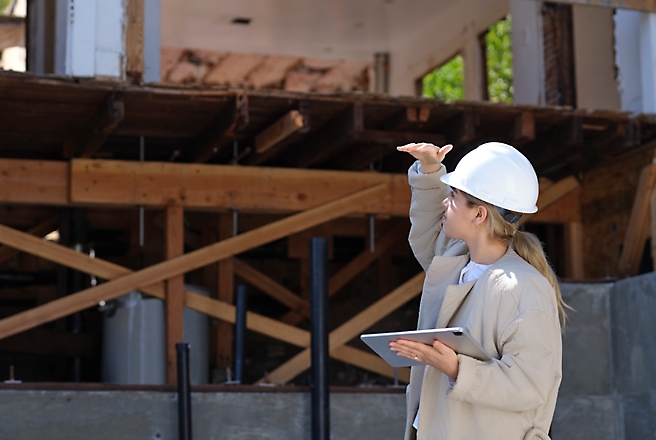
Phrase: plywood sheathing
{"type": "Point", "coordinates": [258, 71]}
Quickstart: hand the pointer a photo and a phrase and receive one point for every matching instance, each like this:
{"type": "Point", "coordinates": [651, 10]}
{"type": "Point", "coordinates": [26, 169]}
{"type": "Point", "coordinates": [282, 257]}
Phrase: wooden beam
{"type": "Point", "coordinates": [44, 342]}
{"type": "Point", "coordinates": [12, 32]}
{"type": "Point", "coordinates": [332, 137]}
{"type": "Point", "coordinates": [174, 247]}
{"type": "Point", "coordinates": [409, 119]}
{"type": "Point", "coordinates": [100, 127]}
{"type": "Point", "coordinates": [542, 153]}
{"type": "Point", "coordinates": [40, 230]}
{"type": "Point", "coordinates": [134, 40]}
{"type": "Point", "coordinates": [224, 128]}
{"type": "Point", "coordinates": [637, 230]}
{"type": "Point", "coordinates": [180, 265]}
{"type": "Point", "coordinates": [280, 130]}
{"type": "Point", "coordinates": [552, 194]}
{"type": "Point", "coordinates": [574, 250]}
{"type": "Point", "coordinates": [352, 328]}
{"type": "Point", "coordinates": [271, 287]}
{"type": "Point", "coordinates": [218, 309]}
{"type": "Point", "coordinates": [225, 293]}
{"type": "Point", "coordinates": [220, 187]}
{"type": "Point", "coordinates": [34, 182]}
{"type": "Point", "coordinates": [636, 5]}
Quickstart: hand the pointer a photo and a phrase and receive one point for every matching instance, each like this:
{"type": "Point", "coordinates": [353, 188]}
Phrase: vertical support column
{"type": "Point", "coordinates": [473, 57]}
{"type": "Point", "coordinates": [574, 250]}
{"type": "Point", "coordinates": [528, 52]}
{"type": "Point", "coordinates": [226, 292]}
{"type": "Point", "coordinates": [174, 289]}
{"type": "Point", "coordinates": [184, 392]}
{"type": "Point", "coordinates": [134, 40]}
{"type": "Point", "coordinates": [319, 340]}
{"type": "Point", "coordinates": [240, 333]}
{"type": "Point", "coordinates": [648, 61]}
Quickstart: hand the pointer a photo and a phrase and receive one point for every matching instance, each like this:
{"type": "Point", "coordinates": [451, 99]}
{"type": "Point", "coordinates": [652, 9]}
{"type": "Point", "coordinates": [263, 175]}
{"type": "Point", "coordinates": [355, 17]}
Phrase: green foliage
{"type": "Point", "coordinates": [446, 82]}
{"type": "Point", "coordinates": [498, 50]}
{"type": "Point", "coordinates": [3, 5]}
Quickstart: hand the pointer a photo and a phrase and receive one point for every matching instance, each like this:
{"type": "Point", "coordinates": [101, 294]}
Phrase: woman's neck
{"type": "Point", "coordinates": [484, 251]}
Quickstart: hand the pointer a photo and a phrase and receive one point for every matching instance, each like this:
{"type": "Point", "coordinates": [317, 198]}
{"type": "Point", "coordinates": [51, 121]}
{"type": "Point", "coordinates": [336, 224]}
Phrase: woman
{"type": "Point", "coordinates": [486, 276]}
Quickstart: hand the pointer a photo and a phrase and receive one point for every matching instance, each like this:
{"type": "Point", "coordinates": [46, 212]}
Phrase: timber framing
{"type": "Point", "coordinates": [636, 5]}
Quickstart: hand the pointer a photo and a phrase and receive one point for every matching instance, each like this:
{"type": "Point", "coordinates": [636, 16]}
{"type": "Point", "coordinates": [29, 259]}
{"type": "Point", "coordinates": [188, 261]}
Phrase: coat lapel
{"type": "Point", "coordinates": [454, 296]}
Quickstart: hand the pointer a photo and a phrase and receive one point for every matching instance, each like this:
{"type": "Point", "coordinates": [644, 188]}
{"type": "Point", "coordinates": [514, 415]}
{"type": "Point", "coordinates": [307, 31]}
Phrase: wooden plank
{"type": "Point", "coordinates": [174, 247]}
{"type": "Point", "coordinates": [100, 127]}
{"type": "Point", "coordinates": [230, 120]}
{"type": "Point", "coordinates": [223, 311]}
{"type": "Point", "coordinates": [134, 39]}
{"type": "Point", "coordinates": [636, 5]}
{"type": "Point", "coordinates": [37, 182]}
{"type": "Point", "coordinates": [180, 265]}
{"type": "Point", "coordinates": [352, 328]}
{"type": "Point", "coordinates": [565, 210]}
{"type": "Point", "coordinates": [639, 225]}
{"type": "Point", "coordinates": [524, 128]}
{"type": "Point", "coordinates": [248, 189]}
{"type": "Point", "coordinates": [40, 230]}
{"type": "Point", "coordinates": [280, 130]}
{"type": "Point", "coordinates": [225, 293]}
{"type": "Point", "coordinates": [552, 194]}
{"type": "Point", "coordinates": [271, 287]}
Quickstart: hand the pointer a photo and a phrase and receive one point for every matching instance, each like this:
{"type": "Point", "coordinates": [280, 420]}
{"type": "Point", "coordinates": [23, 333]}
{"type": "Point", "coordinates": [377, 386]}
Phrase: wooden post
{"type": "Point", "coordinates": [174, 289]}
{"type": "Point", "coordinates": [226, 293]}
{"type": "Point", "coordinates": [134, 40]}
{"type": "Point", "coordinates": [574, 250]}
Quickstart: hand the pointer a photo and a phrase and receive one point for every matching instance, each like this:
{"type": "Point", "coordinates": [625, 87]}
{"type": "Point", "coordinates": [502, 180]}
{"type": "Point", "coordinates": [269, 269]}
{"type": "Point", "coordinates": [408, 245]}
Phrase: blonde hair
{"type": "Point", "coordinates": [527, 246]}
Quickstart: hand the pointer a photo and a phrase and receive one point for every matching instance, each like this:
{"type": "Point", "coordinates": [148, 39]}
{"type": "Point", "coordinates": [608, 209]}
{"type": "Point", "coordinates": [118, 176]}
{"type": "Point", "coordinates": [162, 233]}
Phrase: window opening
{"type": "Point", "coordinates": [447, 82]}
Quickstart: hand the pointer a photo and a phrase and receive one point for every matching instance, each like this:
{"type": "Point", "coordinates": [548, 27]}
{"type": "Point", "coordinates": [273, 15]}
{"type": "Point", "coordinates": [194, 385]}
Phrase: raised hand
{"type": "Point", "coordinates": [429, 155]}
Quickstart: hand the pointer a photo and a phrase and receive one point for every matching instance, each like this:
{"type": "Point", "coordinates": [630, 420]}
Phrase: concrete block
{"type": "Point", "coordinates": [583, 418]}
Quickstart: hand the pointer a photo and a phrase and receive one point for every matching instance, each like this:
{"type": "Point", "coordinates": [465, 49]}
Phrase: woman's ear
{"type": "Point", "coordinates": [481, 215]}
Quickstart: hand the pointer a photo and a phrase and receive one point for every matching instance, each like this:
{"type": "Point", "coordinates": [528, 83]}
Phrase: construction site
{"type": "Point", "coordinates": [167, 166]}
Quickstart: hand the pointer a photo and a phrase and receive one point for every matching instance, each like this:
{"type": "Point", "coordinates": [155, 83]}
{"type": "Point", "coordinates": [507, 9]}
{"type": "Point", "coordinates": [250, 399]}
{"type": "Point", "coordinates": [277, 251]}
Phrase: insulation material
{"type": "Point", "coordinates": [271, 73]}
{"type": "Point", "coordinates": [234, 69]}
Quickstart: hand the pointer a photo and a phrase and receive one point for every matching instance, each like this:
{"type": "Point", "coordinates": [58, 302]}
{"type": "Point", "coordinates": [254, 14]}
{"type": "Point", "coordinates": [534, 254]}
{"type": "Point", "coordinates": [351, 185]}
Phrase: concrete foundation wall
{"type": "Point", "coordinates": [608, 390]}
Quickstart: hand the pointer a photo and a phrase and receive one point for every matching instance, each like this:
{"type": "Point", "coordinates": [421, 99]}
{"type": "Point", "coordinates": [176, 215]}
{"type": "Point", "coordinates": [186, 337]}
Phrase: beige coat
{"type": "Point", "coordinates": [510, 310]}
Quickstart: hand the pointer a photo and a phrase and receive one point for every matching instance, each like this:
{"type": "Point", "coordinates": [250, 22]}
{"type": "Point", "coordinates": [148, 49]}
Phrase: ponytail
{"type": "Point", "coordinates": [525, 244]}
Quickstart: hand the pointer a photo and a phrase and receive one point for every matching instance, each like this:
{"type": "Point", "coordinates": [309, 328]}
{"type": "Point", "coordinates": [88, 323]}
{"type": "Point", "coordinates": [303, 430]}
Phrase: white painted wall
{"type": "Point", "coordinates": [454, 30]}
{"type": "Point", "coordinates": [152, 40]}
{"type": "Point", "coordinates": [596, 85]}
{"type": "Point", "coordinates": [627, 59]}
{"type": "Point", "coordinates": [528, 52]}
{"type": "Point", "coordinates": [648, 61]}
{"type": "Point", "coordinates": [109, 38]}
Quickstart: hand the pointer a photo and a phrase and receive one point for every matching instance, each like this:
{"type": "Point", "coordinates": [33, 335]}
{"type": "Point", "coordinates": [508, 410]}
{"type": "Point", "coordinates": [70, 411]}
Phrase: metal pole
{"type": "Point", "coordinates": [240, 332]}
{"type": "Point", "coordinates": [184, 392]}
{"type": "Point", "coordinates": [142, 157]}
{"type": "Point", "coordinates": [372, 233]}
{"type": "Point", "coordinates": [319, 340]}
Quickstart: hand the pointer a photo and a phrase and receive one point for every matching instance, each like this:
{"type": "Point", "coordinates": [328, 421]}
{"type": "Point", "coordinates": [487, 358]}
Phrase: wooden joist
{"type": "Point", "coordinates": [409, 119]}
{"type": "Point", "coordinates": [180, 265]}
{"type": "Point", "coordinates": [352, 328]}
{"type": "Point", "coordinates": [524, 128]}
{"type": "Point", "coordinates": [636, 5]}
{"type": "Point", "coordinates": [100, 127]}
{"type": "Point", "coordinates": [639, 226]}
{"type": "Point", "coordinates": [224, 128]}
{"type": "Point", "coordinates": [134, 39]}
{"type": "Point", "coordinates": [217, 309]}
{"type": "Point", "coordinates": [248, 189]}
{"type": "Point", "coordinates": [280, 130]}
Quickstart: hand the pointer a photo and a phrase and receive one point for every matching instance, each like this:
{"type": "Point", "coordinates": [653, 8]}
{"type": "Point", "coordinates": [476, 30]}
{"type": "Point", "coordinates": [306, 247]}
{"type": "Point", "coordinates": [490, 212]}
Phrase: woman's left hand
{"type": "Point", "coordinates": [437, 355]}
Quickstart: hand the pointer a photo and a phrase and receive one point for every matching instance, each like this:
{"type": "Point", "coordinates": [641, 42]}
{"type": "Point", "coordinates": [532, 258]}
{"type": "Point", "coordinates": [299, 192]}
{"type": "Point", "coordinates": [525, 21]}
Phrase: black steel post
{"type": "Point", "coordinates": [184, 392]}
{"type": "Point", "coordinates": [319, 340]}
{"type": "Point", "coordinates": [240, 332]}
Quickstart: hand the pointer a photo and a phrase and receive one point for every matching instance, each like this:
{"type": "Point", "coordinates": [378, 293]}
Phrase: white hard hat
{"type": "Point", "coordinates": [497, 174]}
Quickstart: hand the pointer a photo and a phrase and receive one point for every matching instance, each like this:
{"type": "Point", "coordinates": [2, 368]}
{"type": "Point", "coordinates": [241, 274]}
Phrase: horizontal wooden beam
{"type": "Point", "coordinates": [40, 230]}
{"type": "Point", "coordinates": [636, 5]}
{"type": "Point", "coordinates": [36, 182]}
{"type": "Point", "coordinates": [185, 263]}
{"type": "Point", "coordinates": [224, 128]}
{"type": "Point", "coordinates": [352, 328]}
{"type": "Point", "coordinates": [51, 343]}
{"type": "Point", "coordinates": [221, 187]}
{"type": "Point", "coordinates": [96, 131]}
{"type": "Point", "coordinates": [212, 307]}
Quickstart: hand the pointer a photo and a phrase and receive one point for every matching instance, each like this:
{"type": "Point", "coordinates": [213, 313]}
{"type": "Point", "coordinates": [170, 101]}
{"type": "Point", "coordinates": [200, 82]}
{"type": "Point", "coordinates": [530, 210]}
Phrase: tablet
{"type": "Point", "coordinates": [455, 337]}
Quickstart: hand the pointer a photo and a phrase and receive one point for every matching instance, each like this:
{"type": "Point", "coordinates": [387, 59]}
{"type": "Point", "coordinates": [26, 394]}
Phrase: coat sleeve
{"type": "Point", "coordinates": [524, 376]}
{"type": "Point", "coordinates": [426, 211]}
